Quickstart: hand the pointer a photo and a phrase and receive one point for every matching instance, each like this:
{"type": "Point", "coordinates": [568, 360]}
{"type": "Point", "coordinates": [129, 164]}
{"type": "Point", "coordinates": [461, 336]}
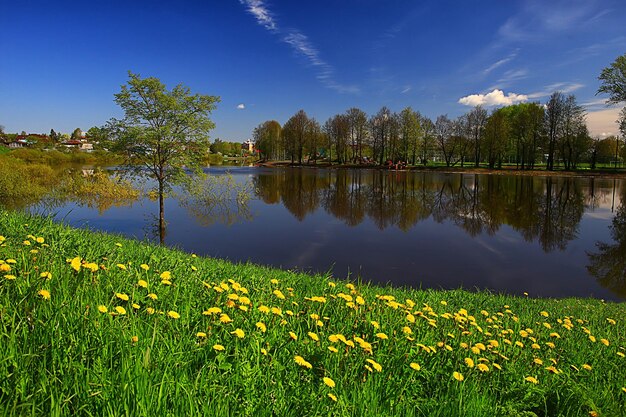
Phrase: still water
{"type": "Point", "coordinates": [548, 236]}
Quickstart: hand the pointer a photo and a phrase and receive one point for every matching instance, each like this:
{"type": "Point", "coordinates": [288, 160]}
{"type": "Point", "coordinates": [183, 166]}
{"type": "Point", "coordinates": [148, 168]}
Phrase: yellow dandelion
{"type": "Point", "coordinates": [122, 267]}
{"type": "Point", "coordinates": [531, 379]}
{"type": "Point", "coordinates": [375, 364]}
{"type": "Point", "coordinates": [26, 243]}
{"type": "Point", "coordinates": [142, 283]}
{"type": "Point", "coordinates": [152, 296]}
{"type": "Point", "coordinates": [274, 281]}
{"type": "Point", "coordinates": [277, 310]}
{"type": "Point", "coordinates": [538, 361]}
{"type": "Point", "coordinates": [624, 389]}
{"type": "Point", "coordinates": [173, 315]}
{"type": "Point", "coordinates": [552, 369]}
{"type": "Point", "coordinates": [302, 362]}
{"type": "Point", "coordinates": [469, 362]}
{"type": "Point", "coordinates": [10, 277]}
{"type": "Point", "coordinates": [375, 324]}
{"type": "Point", "coordinates": [150, 310]}
{"type": "Point", "coordinates": [45, 275]}
{"type": "Point", "coordinates": [415, 366]}
{"type": "Point", "coordinates": [261, 326]}
{"type": "Point", "coordinates": [279, 294]}
{"type": "Point", "coordinates": [313, 336]}
{"type": "Point", "coordinates": [604, 342]}
{"type": "Point", "coordinates": [333, 349]}
{"type": "Point", "coordinates": [119, 245]}
{"type": "Point", "coordinates": [218, 347]}
{"type": "Point", "coordinates": [544, 313]}
{"type": "Point", "coordinates": [102, 309]}
{"type": "Point", "coordinates": [93, 267]}
{"type": "Point", "coordinates": [120, 310]}
{"type": "Point", "coordinates": [497, 366]}
{"type": "Point", "coordinates": [5, 267]}
{"type": "Point", "coordinates": [201, 334]}
{"type": "Point", "coordinates": [535, 346]}
{"type": "Point", "coordinates": [293, 336]}
{"type": "Point", "coordinates": [611, 321]}
{"type": "Point", "coordinates": [319, 323]}
{"type": "Point", "coordinates": [382, 336]}
{"type": "Point", "coordinates": [134, 339]}
{"type": "Point", "coordinates": [592, 338]}
{"type": "Point", "coordinates": [475, 350]}
{"type": "Point", "coordinates": [238, 333]}
{"type": "Point", "coordinates": [121, 296]}
{"type": "Point", "coordinates": [224, 318]}
{"type": "Point", "coordinates": [329, 382]}
{"type": "Point", "coordinates": [263, 351]}
{"type": "Point", "coordinates": [407, 330]}
{"type": "Point", "coordinates": [587, 367]}
{"type": "Point", "coordinates": [75, 264]}
{"type": "Point", "coordinates": [166, 282]}
{"type": "Point", "coordinates": [45, 294]}
{"type": "Point", "coordinates": [166, 275]}
{"type": "Point", "coordinates": [145, 267]}
{"type": "Point", "coordinates": [332, 397]}
{"type": "Point", "coordinates": [264, 309]}
{"type": "Point", "coordinates": [621, 354]}
{"type": "Point", "coordinates": [482, 367]}
{"type": "Point", "coordinates": [458, 376]}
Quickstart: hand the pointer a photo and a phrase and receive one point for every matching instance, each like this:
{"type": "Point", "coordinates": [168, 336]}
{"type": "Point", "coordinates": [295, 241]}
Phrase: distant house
{"type": "Point", "coordinates": [72, 143]}
{"type": "Point", "coordinates": [20, 143]}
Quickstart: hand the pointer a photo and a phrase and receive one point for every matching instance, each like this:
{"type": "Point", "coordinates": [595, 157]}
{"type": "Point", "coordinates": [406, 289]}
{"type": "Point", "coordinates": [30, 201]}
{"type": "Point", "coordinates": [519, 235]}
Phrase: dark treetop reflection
{"type": "Point", "coordinates": [504, 233]}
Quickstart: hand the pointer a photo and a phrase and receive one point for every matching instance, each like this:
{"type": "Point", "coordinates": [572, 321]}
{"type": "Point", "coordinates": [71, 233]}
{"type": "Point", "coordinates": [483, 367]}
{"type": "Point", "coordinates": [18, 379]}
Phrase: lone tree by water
{"type": "Point", "coordinates": [165, 131]}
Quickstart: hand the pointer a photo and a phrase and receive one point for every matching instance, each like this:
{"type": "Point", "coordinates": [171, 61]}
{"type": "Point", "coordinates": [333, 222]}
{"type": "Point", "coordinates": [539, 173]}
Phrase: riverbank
{"type": "Point", "coordinates": [597, 173]}
{"type": "Point", "coordinates": [96, 324]}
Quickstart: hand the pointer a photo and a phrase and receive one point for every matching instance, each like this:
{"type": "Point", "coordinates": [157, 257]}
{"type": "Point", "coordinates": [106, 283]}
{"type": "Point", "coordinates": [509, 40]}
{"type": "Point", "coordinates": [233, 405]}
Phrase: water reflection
{"type": "Point", "coordinates": [543, 209]}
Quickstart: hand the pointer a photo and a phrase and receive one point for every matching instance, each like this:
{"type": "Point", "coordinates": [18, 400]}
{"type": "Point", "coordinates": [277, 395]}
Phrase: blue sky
{"type": "Point", "coordinates": [63, 61]}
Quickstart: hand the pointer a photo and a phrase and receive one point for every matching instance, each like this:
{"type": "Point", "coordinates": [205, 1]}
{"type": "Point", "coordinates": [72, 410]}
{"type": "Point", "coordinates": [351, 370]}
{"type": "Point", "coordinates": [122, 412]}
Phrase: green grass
{"type": "Point", "coordinates": [62, 356]}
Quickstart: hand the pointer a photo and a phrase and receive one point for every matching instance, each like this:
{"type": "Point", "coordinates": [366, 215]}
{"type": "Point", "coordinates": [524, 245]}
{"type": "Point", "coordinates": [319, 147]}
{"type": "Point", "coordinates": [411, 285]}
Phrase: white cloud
{"type": "Point", "coordinates": [261, 13]}
{"type": "Point", "coordinates": [603, 122]}
{"type": "Point", "coordinates": [241, 106]}
{"type": "Point", "coordinates": [494, 98]}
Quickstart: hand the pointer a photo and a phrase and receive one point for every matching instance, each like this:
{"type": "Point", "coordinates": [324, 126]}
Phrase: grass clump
{"type": "Point", "coordinates": [95, 324]}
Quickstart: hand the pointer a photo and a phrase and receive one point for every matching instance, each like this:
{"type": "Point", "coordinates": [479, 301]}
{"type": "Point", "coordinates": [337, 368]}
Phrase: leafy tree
{"type": "Point", "coordinates": [54, 136]}
{"type": "Point", "coordinates": [337, 131]}
{"type": "Point", "coordinates": [77, 134]}
{"type": "Point", "coordinates": [165, 130]}
{"type": "Point", "coordinates": [295, 132]}
{"type": "Point", "coordinates": [410, 131]}
{"type": "Point", "coordinates": [553, 119]}
{"type": "Point", "coordinates": [268, 140]}
{"type": "Point", "coordinates": [494, 139]}
{"type": "Point", "coordinates": [613, 79]}
{"type": "Point", "coordinates": [357, 121]}
{"type": "Point", "coordinates": [476, 120]}
{"type": "Point", "coordinates": [444, 132]}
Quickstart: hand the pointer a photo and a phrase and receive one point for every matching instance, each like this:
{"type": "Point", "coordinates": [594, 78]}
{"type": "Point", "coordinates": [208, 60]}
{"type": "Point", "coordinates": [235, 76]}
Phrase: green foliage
{"type": "Point", "coordinates": [613, 80]}
{"type": "Point", "coordinates": [62, 356]}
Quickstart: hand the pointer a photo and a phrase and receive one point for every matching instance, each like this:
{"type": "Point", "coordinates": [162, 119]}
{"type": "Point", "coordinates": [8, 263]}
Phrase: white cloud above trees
{"type": "Point", "coordinates": [494, 98]}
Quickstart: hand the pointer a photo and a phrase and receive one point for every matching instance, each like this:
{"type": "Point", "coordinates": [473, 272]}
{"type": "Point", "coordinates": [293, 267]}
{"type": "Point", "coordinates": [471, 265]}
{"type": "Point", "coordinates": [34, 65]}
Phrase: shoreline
{"type": "Point", "coordinates": [456, 170]}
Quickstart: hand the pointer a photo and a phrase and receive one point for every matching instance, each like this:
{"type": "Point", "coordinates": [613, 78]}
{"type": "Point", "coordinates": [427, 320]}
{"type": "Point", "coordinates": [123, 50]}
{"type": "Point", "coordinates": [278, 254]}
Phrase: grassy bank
{"type": "Point", "coordinates": [94, 324]}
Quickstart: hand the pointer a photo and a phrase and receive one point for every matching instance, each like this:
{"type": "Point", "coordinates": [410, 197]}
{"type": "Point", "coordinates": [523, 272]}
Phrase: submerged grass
{"type": "Point", "coordinates": [95, 324]}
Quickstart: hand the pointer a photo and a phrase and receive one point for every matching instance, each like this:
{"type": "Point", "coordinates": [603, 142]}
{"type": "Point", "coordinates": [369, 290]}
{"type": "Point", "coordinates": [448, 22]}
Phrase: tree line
{"type": "Point", "coordinates": [525, 134]}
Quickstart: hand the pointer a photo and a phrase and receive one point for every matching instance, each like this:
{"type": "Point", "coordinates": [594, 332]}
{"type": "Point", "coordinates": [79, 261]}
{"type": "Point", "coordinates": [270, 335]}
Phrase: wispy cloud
{"type": "Point", "coordinates": [562, 87]}
{"type": "Point", "coordinates": [499, 63]}
{"type": "Point", "coordinates": [494, 98]}
{"type": "Point", "coordinates": [300, 43]}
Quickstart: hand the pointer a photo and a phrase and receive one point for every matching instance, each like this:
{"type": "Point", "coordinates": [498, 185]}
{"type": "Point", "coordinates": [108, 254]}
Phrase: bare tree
{"type": "Point", "coordinates": [553, 119]}
{"type": "Point", "coordinates": [476, 120]}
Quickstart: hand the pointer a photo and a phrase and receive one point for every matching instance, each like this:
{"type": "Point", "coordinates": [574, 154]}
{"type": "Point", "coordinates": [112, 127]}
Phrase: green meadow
{"type": "Point", "coordinates": [98, 325]}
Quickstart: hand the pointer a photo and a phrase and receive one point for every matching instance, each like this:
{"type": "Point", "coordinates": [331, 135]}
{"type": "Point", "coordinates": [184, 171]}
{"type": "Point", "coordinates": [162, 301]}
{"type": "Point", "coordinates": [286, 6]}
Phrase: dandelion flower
{"type": "Point", "coordinates": [497, 366]}
{"type": "Point", "coordinates": [224, 318]}
{"type": "Point", "coordinates": [375, 364]}
{"type": "Point", "coordinates": [102, 309]}
{"type": "Point", "coordinates": [329, 382]}
{"type": "Point", "coordinates": [415, 366]}
{"type": "Point", "coordinates": [152, 296]}
{"type": "Point", "coordinates": [239, 333]}
{"type": "Point", "coordinates": [120, 310]}
{"type": "Point", "coordinates": [538, 361]}
{"type": "Point", "coordinates": [45, 294]}
{"type": "Point", "coordinates": [134, 339]}
{"type": "Point", "coordinates": [166, 282]}
{"type": "Point", "coordinates": [218, 347]}
{"type": "Point", "coordinates": [145, 267]}
{"type": "Point", "coordinates": [45, 275]}
{"type": "Point", "coordinates": [261, 326]}
{"type": "Point", "coordinates": [93, 267]}
{"type": "Point", "coordinates": [333, 349]}
{"type": "Point", "coordinates": [469, 362]}
{"type": "Point", "coordinates": [150, 310]}
{"type": "Point", "coordinates": [531, 379]}
{"type": "Point", "coordinates": [279, 294]}
{"type": "Point", "coordinates": [5, 267]}
{"type": "Point", "coordinates": [75, 264]}
{"type": "Point", "coordinates": [122, 267]}
{"type": "Point", "coordinates": [611, 321]}
{"type": "Point", "coordinates": [332, 397]}
{"type": "Point", "coordinates": [166, 275]}
{"type": "Point", "coordinates": [458, 376]}
{"type": "Point", "coordinates": [382, 336]}
{"type": "Point", "coordinates": [544, 313]}
{"type": "Point", "coordinates": [313, 336]}
{"type": "Point", "coordinates": [293, 336]}
{"type": "Point", "coordinates": [201, 334]}
{"type": "Point", "coordinates": [121, 296]}
{"type": "Point", "coordinates": [604, 342]}
{"type": "Point", "coordinates": [587, 367]}
{"type": "Point", "coordinates": [302, 362]}
{"type": "Point", "coordinates": [274, 281]}
{"type": "Point", "coordinates": [173, 315]}
{"type": "Point", "coordinates": [263, 351]}
{"type": "Point", "coordinates": [482, 367]}
{"type": "Point", "coordinates": [10, 277]}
